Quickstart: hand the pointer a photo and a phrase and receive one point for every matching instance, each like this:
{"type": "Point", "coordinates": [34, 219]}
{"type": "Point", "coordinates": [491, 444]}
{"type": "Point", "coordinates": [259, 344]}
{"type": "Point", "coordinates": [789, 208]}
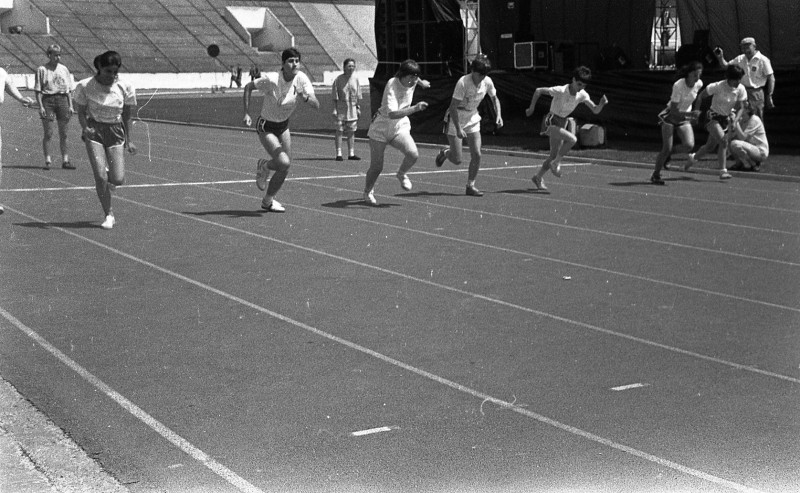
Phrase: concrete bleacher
{"type": "Point", "coordinates": [169, 37]}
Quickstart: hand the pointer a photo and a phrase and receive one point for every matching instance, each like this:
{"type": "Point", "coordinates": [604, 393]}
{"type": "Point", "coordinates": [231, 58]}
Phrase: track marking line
{"type": "Point", "coordinates": [242, 484]}
{"type": "Point", "coordinates": [630, 386]}
{"type": "Point", "coordinates": [372, 431]}
{"type": "Point", "coordinates": [177, 440]}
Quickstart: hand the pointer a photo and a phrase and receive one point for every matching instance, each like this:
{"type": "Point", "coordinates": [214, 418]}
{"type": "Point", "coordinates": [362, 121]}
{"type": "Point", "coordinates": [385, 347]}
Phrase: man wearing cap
{"type": "Point", "coordinates": [758, 76]}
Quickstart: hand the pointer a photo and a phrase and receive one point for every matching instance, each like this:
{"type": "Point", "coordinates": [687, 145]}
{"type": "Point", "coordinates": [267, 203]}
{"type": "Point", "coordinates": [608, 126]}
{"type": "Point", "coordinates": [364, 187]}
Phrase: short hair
{"type": "Point", "coordinates": [53, 47]}
{"type": "Point", "coordinates": [481, 64]}
{"type": "Point", "coordinates": [408, 67]}
{"type": "Point", "coordinates": [348, 60]}
{"type": "Point", "coordinates": [690, 67]}
{"type": "Point", "coordinates": [582, 74]}
{"type": "Point", "coordinates": [734, 72]}
{"type": "Point", "coordinates": [107, 59]}
{"type": "Point", "coordinates": [289, 53]}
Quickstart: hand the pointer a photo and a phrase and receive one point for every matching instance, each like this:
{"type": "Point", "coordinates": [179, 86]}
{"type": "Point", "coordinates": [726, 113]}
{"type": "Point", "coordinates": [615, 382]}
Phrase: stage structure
{"type": "Point", "coordinates": [470, 16]}
{"type": "Point", "coordinates": [428, 31]}
{"type": "Point", "coordinates": [666, 36]}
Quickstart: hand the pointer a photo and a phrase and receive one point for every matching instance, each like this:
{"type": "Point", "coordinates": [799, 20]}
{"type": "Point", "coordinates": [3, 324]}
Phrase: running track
{"type": "Point", "coordinates": [608, 336]}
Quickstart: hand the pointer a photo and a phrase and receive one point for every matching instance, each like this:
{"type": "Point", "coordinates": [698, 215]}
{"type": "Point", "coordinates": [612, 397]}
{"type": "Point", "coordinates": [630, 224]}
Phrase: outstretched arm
{"type": "Point", "coordinates": [597, 108]}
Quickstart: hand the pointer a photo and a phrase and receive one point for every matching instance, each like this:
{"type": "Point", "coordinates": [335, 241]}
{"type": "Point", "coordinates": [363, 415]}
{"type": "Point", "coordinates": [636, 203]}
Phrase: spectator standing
{"type": "Point", "coordinates": [758, 75]}
{"type": "Point", "coordinates": [346, 96]}
{"type": "Point", "coordinates": [8, 87]}
{"type": "Point", "coordinates": [53, 89]}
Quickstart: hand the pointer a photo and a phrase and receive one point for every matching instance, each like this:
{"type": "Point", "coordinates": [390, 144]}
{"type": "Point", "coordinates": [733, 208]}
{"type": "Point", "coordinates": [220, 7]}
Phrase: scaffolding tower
{"type": "Point", "coordinates": [666, 36]}
{"type": "Point", "coordinates": [470, 16]}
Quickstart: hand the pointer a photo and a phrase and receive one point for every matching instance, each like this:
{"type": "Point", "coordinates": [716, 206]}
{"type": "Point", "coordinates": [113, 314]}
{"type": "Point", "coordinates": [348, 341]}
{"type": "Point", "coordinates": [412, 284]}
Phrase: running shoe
{"type": "Point", "coordinates": [272, 206]}
{"type": "Point", "coordinates": [474, 192]}
{"type": "Point", "coordinates": [1, 209]}
{"type": "Point", "coordinates": [369, 198]}
{"type": "Point", "coordinates": [657, 180]}
{"type": "Point", "coordinates": [339, 158]}
{"type": "Point", "coordinates": [691, 161]}
{"type": "Point", "coordinates": [109, 222]}
{"type": "Point", "coordinates": [404, 182]}
{"type": "Point", "coordinates": [354, 158]}
{"type": "Point", "coordinates": [262, 174]}
{"type": "Point", "coordinates": [67, 165]}
{"type": "Point", "coordinates": [440, 158]}
{"type": "Point", "coordinates": [725, 175]}
{"type": "Point", "coordinates": [539, 182]}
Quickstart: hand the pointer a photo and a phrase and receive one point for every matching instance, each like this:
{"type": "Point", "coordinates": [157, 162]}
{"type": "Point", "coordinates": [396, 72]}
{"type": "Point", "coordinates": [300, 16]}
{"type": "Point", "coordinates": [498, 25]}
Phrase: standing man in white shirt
{"type": "Point", "coordinates": [758, 80]}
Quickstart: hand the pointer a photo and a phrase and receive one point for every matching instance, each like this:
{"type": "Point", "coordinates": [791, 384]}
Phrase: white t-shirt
{"type": "Point", "coordinates": [565, 103]}
{"type": "Point", "coordinates": [57, 81]}
{"type": "Point", "coordinates": [104, 103]}
{"type": "Point", "coordinates": [396, 96]}
{"type": "Point", "coordinates": [471, 96]}
{"type": "Point", "coordinates": [280, 96]}
{"type": "Point", "coordinates": [683, 95]}
{"type": "Point", "coordinates": [755, 134]}
{"type": "Point", "coordinates": [724, 97]}
{"type": "Point", "coordinates": [756, 70]}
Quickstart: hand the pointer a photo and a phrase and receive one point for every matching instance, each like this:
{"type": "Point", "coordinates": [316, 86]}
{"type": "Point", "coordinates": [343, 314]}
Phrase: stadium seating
{"type": "Point", "coordinates": [171, 37]}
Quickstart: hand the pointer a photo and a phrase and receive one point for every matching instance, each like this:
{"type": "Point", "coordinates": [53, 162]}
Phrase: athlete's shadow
{"type": "Point", "coordinates": [647, 182]}
{"type": "Point", "coordinates": [526, 191]}
{"type": "Point", "coordinates": [65, 225]}
{"type": "Point", "coordinates": [428, 194]}
{"type": "Point", "coordinates": [231, 213]}
{"type": "Point", "coordinates": [356, 203]}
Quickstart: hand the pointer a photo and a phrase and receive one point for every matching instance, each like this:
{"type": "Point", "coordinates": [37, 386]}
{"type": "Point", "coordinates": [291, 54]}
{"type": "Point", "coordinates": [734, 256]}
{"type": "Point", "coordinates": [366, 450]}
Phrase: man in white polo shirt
{"type": "Point", "coordinates": [759, 79]}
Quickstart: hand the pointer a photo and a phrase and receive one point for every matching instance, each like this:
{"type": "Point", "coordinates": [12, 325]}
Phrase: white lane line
{"type": "Point", "coordinates": [180, 442]}
{"type": "Point", "coordinates": [243, 485]}
{"type": "Point", "coordinates": [372, 431]}
{"type": "Point", "coordinates": [630, 386]}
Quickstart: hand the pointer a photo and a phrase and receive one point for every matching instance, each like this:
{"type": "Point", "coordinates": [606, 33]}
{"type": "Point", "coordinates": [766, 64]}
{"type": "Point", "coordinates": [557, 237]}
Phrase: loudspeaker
{"type": "Point", "coordinates": [523, 55]}
{"type": "Point", "coordinates": [505, 51]}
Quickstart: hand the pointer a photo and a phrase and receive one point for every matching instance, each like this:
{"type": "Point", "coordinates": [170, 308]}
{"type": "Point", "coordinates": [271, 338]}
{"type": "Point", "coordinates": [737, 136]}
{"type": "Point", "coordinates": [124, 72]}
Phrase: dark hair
{"type": "Point", "coordinates": [734, 72]}
{"type": "Point", "coordinates": [687, 69]}
{"type": "Point", "coordinates": [408, 67]}
{"type": "Point", "coordinates": [481, 64]}
{"type": "Point", "coordinates": [348, 60]}
{"type": "Point", "coordinates": [107, 59]}
{"type": "Point", "coordinates": [289, 53]}
{"type": "Point", "coordinates": [582, 74]}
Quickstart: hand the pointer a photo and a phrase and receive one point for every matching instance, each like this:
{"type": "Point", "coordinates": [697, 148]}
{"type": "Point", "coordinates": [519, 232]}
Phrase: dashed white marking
{"type": "Point", "coordinates": [630, 386]}
{"type": "Point", "coordinates": [372, 431]}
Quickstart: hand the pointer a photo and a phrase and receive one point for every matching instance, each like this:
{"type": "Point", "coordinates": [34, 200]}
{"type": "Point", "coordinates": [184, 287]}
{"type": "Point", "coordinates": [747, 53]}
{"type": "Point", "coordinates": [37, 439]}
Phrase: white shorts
{"type": "Point", "coordinates": [383, 129]}
{"type": "Point", "coordinates": [470, 123]}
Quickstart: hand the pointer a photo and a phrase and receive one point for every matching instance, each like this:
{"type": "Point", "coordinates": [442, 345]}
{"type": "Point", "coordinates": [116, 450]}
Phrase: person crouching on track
{"type": "Point", "coordinates": [391, 126]}
{"type": "Point", "coordinates": [727, 103]}
{"type": "Point", "coordinates": [105, 106]}
{"type": "Point", "coordinates": [565, 99]}
{"type": "Point", "coordinates": [464, 121]}
{"type": "Point", "coordinates": [281, 91]}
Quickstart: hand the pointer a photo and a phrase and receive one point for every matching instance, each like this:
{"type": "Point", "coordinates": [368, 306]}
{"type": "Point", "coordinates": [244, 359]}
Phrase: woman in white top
{"type": "Point", "coordinates": [6, 86]}
{"type": "Point", "coordinates": [464, 121]}
{"type": "Point", "coordinates": [565, 100]}
{"type": "Point", "coordinates": [391, 126]}
{"type": "Point", "coordinates": [748, 140]}
{"type": "Point", "coordinates": [727, 102]}
{"type": "Point", "coordinates": [54, 94]}
{"type": "Point", "coordinates": [105, 106]}
{"type": "Point", "coordinates": [281, 91]}
{"type": "Point", "coordinates": [678, 117]}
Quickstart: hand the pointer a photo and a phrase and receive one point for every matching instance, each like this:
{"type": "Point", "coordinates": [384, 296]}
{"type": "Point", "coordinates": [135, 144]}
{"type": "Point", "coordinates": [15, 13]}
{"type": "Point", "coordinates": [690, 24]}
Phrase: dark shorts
{"type": "Point", "coordinates": [553, 120]}
{"type": "Point", "coordinates": [267, 127]}
{"type": "Point", "coordinates": [106, 134]}
{"type": "Point", "coordinates": [723, 120]}
{"type": "Point", "coordinates": [57, 107]}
